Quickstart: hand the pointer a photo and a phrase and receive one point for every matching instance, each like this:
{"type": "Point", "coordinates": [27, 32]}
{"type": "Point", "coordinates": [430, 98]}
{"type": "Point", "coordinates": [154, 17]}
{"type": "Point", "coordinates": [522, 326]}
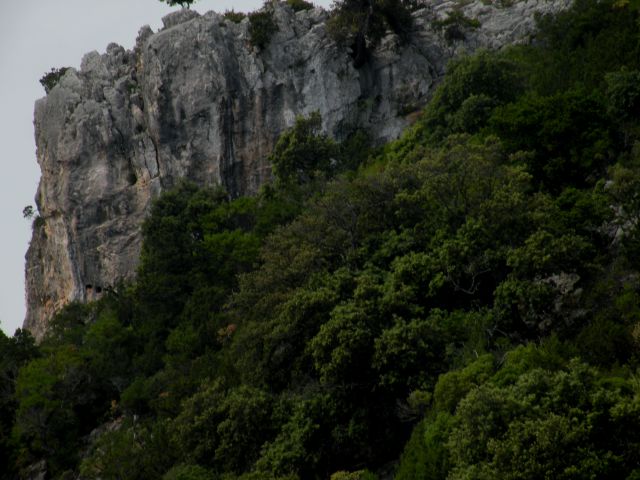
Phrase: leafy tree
{"type": "Point", "coordinates": [28, 212]}
{"type": "Point", "coordinates": [188, 472]}
{"type": "Point", "coordinates": [580, 45]}
{"type": "Point", "coordinates": [568, 132]}
{"type": "Point", "coordinates": [455, 24]}
{"type": "Point", "coordinates": [304, 152]}
{"type": "Point", "coordinates": [623, 101]}
{"type": "Point", "coordinates": [510, 425]}
{"type": "Point", "coordinates": [129, 449]}
{"type": "Point", "coordinates": [57, 403]}
{"type": "Point", "coordinates": [224, 429]}
{"type": "Point", "coordinates": [262, 26]}
{"type": "Point", "coordinates": [425, 455]}
{"type": "Point", "coordinates": [361, 24]}
{"type": "Point", "coordinates": [300, 5]}
{"type": "Point", "coordinates": [235, 17]}
{"type": "Point", "coordinates": [454, 385]}
{"type": "Point", "coordinates": [530, 418]}
{"type": "Point", "coordinates": [455, 286]}
{"type": "Point", "coordinates": [15, 352]}
{"type": "Point", "coordinates": [51, 79]}
{"type": "Point", "coordinates": [472, 88]}
{"type": "Point", "coordinates": [174, 260]}
{"type": "Point", "coordinates": [182, 3]}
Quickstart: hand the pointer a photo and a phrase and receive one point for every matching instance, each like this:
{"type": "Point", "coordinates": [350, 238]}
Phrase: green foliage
{"type": "Point", "coordinates": [130, 450]}
{"type": "Point", "coordinates": [15, 352]}
{"type": "Point", "coordinates": [357, 475]}
{"type": "Point", "coordinates": [38, 223]}
{"type": "Point", "coordinates": [304, 152]}
{"type": "Point", "coordinates": [290, 451]}
{"type": "Point", "coordinates": [411, 353]}
{"type": "Point", "coordinates": [440, 296]}
{"type": "Point", "coordinates": [571, 148]}
{"type": "Point", "coordinates": [623, 94]}
{"type": "Point", "coordinates": [472, 88]}
{"type": "Point", "coordinates": [262, 26]}
{"type": "Point", "coordinates": [299, 5]}
{"type": "Point", "coordinates": [51, 79]}
{"type": "Point", "coordinates": [224, 429]}
{"type": "Point", "coordinates": [182, 3]}
{"type": "Point", "coordinates": [581, 45]}
{"type": "Point", "coordinates": [425, 455]}
{"type": "Point", "coordinates": [55, 396]}
{"type": "Point", "coordinates": [235, 17]}
{"type": "Point", "coordinates": [28, 212]}
{"type": "Point", "coordinates": [188, 472]}
{"type": "Point", "coordinates": [455, 24]}
{"type": "Point", "coordinates": [511, 427]}
{"type": "Point", "coordinates": [454, 385]}
{"type": "Point", "coordinates": [109, 344]}
{"type": "Point", "coordinates": [623, 101]}
{"type": "Point", "coordinates": [549, 419]}
{"type": "Point", "coordinates": [361, 24]}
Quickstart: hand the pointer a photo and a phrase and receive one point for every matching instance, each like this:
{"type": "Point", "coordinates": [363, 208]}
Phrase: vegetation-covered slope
{"type": "Point", "coordinates": [461, 303]}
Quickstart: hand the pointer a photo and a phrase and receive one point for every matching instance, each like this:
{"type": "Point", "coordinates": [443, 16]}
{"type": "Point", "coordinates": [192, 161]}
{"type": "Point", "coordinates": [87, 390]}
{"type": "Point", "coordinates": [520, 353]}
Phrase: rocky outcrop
{"type": "Point", "coordinates": [195, 100]}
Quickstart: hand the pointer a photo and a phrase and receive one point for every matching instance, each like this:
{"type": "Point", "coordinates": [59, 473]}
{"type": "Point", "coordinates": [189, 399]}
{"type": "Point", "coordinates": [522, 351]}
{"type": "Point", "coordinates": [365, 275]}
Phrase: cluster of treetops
{"type": "Point", "coordinates": [358, 24]}
{"type": "Point", "coordinates": [462, 303]}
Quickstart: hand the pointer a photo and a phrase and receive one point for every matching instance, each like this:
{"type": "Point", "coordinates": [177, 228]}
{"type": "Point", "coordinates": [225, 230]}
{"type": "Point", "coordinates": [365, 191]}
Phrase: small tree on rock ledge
{"type": "Point", "coordinates": [182, 3]}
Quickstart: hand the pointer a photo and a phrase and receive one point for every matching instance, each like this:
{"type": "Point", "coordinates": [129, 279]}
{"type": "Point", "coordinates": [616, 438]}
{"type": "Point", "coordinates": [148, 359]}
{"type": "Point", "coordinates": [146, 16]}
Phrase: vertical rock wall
{"type": "Point", "coordinates": [196, 101]}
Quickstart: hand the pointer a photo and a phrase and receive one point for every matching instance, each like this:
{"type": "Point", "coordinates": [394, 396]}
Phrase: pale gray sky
{"type": "Point", "coordinates": [36, 35]}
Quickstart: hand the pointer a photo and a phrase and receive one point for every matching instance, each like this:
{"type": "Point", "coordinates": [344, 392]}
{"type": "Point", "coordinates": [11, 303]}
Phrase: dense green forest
{"type": "Point", "coordinates": [462, 303]}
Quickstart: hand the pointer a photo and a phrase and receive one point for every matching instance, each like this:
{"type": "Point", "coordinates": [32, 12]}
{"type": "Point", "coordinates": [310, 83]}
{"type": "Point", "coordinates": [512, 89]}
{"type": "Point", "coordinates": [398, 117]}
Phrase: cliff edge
{"type": "Point", "coordinates": [196, 101]}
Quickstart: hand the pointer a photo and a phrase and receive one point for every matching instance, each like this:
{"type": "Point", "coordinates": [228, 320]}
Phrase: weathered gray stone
{"type": "Point", "coordinates": [195, 100]}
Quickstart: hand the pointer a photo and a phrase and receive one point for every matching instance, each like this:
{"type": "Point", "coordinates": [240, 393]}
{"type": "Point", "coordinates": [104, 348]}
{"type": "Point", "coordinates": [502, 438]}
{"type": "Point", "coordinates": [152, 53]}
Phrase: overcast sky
{"type": "Point", "coordinates": [36, 35]}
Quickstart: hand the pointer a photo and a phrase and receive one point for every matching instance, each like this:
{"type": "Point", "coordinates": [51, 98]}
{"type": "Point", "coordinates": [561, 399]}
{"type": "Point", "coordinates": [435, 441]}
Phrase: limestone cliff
{"type": "Point", "coordinates": [195, 100]}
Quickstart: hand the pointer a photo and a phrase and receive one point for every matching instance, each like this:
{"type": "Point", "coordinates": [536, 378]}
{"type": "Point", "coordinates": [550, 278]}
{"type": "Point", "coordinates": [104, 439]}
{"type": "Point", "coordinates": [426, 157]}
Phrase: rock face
{"type": "Point", "coordinates": [196, 101]}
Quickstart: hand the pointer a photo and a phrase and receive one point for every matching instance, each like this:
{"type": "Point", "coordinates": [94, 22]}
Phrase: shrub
{"type": "Point", "coordinates": [303, 152]}
{"type": "Point", "coordinates": [261, 28]}
{"type": "Point", "coordinates": [455, 24]}
{"type": "Point", "coordinates": [358, 475]}
{"type": "Point", "coordinates": [188, 472]}
{"type": "Point", "coordinates": [235, 17]}
{"type": "Point", "coordinates": [51, 79]}
{"type": "Point", "coordinates": [361, 24]}
{"type": "Point", "coordinates": [182, 3]}
{"type": "Point", "coordinates": [300, 5]}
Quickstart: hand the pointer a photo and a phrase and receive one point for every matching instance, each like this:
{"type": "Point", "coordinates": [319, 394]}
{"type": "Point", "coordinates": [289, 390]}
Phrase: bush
{"type": "Point", "coordinates": [235, 17]}
{"type": "Point", "coordinates": [360, 25]}
{"type": "Point", "coordinates": [455, 24]}
{"type": "Point", "coordinates": [51, 79]}
{"type": "Point", "coordinates": [188, 472]}
{"type": "Point", "coordinates": [261, 27]}
{"type": "Point", "coordinates": [472, 88]}
{"type": "Point", "coordinates": [299, 5]}
{"type": "Point", "coordinates": [182, 3]}
{"type": "Point", "coordinates": [358, 475]}
{"type": "Point", "coordinates": [569, 134]}
{"type": "Point", "coordinates": [303, 152]}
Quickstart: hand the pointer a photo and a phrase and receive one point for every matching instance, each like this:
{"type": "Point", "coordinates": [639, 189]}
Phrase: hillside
{"type": "Point", "coordinates": [458, 303]}
{"type": "Point", "coordinates": [203, 100]}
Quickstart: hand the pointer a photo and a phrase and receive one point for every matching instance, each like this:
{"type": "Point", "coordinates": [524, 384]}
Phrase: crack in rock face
{"type": "Point", "coordinates": [196, 101]}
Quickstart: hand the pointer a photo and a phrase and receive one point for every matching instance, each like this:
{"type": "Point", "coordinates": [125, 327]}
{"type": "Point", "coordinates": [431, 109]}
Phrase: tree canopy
{"type": "Point", "coordinates": [463, 302]}
{"type": "Point", "coordinates": [182, 3]}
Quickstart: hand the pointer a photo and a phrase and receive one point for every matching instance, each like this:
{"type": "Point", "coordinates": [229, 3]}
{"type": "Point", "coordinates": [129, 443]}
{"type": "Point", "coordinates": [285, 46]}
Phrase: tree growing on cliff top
{"type": "Point", "coordinates": [51, 79]}
{"type": "Point", "coordinates": [361, 24]}
{"type": "Point", "coordinates": [182, 3]}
